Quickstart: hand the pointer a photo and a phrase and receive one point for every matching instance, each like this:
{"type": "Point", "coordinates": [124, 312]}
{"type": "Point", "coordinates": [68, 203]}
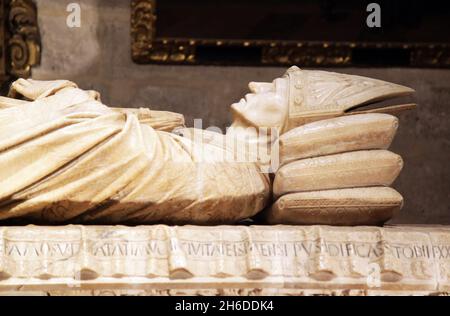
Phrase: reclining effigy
{"type": "Point", "coordinates": [300, 151]}
{"type": "Point", "coordinates": [66, 157]}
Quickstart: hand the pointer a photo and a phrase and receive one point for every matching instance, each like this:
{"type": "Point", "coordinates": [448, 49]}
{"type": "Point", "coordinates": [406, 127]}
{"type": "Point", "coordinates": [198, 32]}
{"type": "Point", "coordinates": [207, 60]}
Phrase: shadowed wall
{"type": "Point", "coordinates": [97, 56]}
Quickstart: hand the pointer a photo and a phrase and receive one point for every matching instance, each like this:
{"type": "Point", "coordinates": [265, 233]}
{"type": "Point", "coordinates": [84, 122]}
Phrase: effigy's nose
{"type": "Point", "coordinates": [261, 87]}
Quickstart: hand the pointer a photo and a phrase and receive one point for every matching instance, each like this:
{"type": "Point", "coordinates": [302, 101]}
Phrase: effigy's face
{"type": "Point", "coordinates": [266, 105]}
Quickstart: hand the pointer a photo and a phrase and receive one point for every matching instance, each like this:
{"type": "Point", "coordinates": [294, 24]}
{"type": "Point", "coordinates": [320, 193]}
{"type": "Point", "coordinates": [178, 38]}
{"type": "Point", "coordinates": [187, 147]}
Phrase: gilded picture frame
{"type": "Point", "coordinates": [19, 39]}
{"type": "Point", "coordinates": [147, 47]}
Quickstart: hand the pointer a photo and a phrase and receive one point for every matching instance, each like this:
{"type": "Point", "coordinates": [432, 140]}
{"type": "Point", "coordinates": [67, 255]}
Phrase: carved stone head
{"type": "Point", "coordinates": [303, 96]}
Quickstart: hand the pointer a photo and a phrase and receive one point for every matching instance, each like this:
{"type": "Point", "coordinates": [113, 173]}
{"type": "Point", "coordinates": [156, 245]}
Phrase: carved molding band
{"type": "Point", "coordinates": [219, 257]}
{"type": "Point", "coordinates": [146, 47]}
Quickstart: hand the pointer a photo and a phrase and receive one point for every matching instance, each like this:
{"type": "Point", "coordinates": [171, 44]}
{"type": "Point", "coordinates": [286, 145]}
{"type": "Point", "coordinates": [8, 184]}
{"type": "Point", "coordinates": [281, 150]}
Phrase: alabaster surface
{"type": "Point", "coordinates": [347, 170]}
{"type": "Point", "coordinates": [338, 135]}
{"type": "Point", "coordinates": [352, 206]}
{"type": "Point", "coordinates": [219, 260]}
{"type": "Point", "coordinates": [65, 157]}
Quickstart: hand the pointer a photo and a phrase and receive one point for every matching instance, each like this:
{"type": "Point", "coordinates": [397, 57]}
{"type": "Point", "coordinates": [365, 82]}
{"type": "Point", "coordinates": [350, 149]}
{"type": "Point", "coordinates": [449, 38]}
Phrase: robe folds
{"type": "Point", "coordinates": [66, 157]}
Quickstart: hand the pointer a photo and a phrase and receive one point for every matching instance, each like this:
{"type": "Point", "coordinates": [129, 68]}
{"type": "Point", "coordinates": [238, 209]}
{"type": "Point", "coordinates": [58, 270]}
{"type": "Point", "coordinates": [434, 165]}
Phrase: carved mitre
{"type": "Point", "coordinates": [316, 95]}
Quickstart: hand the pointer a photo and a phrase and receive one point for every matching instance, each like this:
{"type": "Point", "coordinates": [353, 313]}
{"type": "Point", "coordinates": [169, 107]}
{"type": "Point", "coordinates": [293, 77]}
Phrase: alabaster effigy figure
{"type": "Point", "coordinates": [67, 158]}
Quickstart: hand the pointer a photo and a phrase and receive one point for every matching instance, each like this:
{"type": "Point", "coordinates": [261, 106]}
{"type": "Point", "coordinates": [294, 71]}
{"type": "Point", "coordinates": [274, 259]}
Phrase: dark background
{"type": "Point", "coordinates": [322, 20]}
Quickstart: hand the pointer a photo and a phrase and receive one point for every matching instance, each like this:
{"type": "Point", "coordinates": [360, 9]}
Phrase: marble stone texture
{"type": "Point", "coordinates": [97, 56]}
{"type": "Point", "coordinates": [414, 260]}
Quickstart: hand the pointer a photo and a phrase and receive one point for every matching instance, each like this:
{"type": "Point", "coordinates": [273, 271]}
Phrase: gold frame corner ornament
{"type": "Point", "coordinates": [21, 43]}
{"type": "Point", "coordinates": [147, 48]}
